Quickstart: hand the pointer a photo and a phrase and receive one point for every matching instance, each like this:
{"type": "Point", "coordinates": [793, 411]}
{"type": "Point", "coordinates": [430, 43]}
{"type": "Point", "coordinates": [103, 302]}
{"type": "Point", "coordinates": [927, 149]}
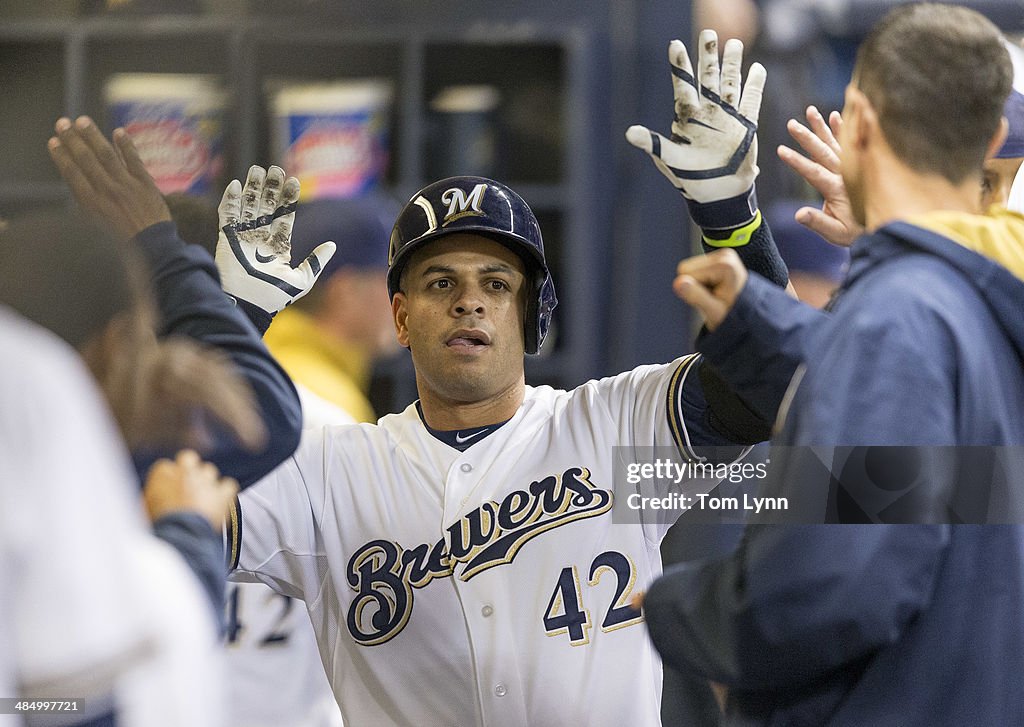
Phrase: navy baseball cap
{"type": "Point", "coordinates": [1013, 109]}
{"type": "Point", "coordinates": [802, 249]}
{"type": "Point", "coordinates": [361, 227]}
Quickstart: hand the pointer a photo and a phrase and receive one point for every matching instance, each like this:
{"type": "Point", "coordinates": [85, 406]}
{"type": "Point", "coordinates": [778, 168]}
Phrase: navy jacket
{"type": "Point", "coordinates": [923, 346]}
{"type": "Point", "coordinates": [191, 303]}
{"type": "Point", "coordinates": [870, 624]}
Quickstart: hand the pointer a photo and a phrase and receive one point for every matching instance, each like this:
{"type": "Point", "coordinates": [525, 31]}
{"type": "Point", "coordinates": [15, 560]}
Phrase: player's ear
{"type": "Point", "coordinates": [400, 314]}
{"type": "Point", "coordinates": [998, 139]}
{"type": "Point", "coordinates": [859, 117]}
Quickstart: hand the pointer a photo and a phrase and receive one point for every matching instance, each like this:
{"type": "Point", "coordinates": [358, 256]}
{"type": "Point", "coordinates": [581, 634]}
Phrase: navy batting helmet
{"type": "Point", "coordinates": [484, 207]}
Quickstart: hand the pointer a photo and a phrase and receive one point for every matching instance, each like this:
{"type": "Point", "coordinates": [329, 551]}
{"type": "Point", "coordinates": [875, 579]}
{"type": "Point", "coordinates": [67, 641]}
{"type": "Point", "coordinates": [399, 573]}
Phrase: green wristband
{"type": "Point", "coordinates": [738, 237]}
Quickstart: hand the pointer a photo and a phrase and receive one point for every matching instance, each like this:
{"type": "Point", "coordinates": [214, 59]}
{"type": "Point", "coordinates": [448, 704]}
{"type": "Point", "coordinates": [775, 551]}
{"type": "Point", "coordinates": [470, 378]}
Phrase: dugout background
{"type": "Point", "coordinates": [572, 75]}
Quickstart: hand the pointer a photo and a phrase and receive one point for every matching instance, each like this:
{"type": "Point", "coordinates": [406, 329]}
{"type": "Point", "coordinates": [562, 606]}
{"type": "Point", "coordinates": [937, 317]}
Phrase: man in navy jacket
{"type": "Point", "coordinates": [879, 624]}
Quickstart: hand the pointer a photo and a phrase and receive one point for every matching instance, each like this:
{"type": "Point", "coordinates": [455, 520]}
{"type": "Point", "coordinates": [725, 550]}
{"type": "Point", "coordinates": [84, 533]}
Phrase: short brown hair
{"type": "Point", "coordinates": [938, 76]}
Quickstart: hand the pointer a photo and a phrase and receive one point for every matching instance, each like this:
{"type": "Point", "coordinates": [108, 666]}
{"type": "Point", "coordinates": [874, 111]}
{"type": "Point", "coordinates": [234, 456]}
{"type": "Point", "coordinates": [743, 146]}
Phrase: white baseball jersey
{"type": "Point", "coordinates": [69, 515]}
{"type": "Point", "coordinates": [92, 605]}
{"type": "Point", "coordinates": [484, 587]}
{"type": "Point", "coordinates": [275, 678]}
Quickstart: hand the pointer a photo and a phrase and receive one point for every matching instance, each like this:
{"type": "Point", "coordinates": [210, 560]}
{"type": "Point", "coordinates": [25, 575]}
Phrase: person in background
{"type": "Point", "coordinates": [835, 221]}
{"type": "Point", "coordinates": [1004, 167]}
{"type": "Point", "coordinates": [328, 339]}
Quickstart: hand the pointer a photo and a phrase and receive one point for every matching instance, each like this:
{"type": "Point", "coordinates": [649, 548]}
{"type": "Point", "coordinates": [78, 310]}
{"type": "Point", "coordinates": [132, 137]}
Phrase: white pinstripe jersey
{"type": "Point", "coordinates": [484, 587]}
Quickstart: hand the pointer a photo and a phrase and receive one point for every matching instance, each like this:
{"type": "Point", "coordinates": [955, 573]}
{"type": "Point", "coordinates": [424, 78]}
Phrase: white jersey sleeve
{"type": "Point", "coordinates": [274, 674]}
{"type": "Point", "coordinates": [283, 548]}
{"type": "Point", "coordinates": [646, 405]}
{"type": "Point", "coordinates": [645, 417]}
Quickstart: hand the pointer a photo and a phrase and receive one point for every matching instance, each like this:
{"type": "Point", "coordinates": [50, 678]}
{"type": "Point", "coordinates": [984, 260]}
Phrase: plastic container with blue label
{"type": "Point", "coordinates": [332, 136]}
{"type": "Point", "coordinates": [176, 121]}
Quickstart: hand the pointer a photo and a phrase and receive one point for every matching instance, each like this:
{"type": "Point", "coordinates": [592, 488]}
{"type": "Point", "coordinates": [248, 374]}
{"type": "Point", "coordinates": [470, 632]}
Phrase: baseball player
{"type": "Point", "coordinates": [459, 560]}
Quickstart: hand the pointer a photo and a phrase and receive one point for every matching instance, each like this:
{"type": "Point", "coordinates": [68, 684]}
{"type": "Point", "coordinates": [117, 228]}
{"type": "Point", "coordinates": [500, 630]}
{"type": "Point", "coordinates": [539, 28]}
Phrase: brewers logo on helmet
{"type": "Point", "coordinates": [483, 207]}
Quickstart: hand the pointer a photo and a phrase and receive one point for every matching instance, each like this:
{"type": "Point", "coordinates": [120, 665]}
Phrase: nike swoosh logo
{"type": "Point", "coordinates": [459, 439]}
{"type": "Point", "coordinates": [262, 259]}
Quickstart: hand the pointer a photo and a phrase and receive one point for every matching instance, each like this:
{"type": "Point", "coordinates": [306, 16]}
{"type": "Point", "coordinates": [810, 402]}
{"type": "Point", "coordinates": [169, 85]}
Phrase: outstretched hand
{"type": "Point", "coordinates": [834, 221]}
{"type": "Point", "coordinates": [108, 181]}
{"type": "Point", "coordinates": [712, 154]}
{"type": "Point", "coordinates": [188, 484]}
{"type": "Point", "coordinates": [254, 248]}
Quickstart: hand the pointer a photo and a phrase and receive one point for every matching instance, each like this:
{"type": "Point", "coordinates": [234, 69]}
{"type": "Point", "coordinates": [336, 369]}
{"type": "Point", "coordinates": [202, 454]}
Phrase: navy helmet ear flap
{"type": "Point", "coordinates": [540, 309]}
{"type": "Point", "coordinates": [485, 207]}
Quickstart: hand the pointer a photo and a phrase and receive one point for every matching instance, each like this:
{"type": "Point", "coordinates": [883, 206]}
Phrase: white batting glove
{"type": "Point", "coordinates": [255, 244]}
{"type": "Point", "coordinates": [712, 154]}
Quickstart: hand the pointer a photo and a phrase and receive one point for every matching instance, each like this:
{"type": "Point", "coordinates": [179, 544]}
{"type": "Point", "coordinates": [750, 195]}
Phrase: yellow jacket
{"type": "Point", "coordinates": [333, 370]}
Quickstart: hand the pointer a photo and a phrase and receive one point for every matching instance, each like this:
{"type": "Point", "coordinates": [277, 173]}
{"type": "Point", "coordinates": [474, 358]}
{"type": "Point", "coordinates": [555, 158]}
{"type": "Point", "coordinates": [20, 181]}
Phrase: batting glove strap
{"type": "Point", "coordinates": [718, 219]}
{"type": "Point", "coordinates": [260, 318]}
{"type": "Point", "coordinates": [732, 238]}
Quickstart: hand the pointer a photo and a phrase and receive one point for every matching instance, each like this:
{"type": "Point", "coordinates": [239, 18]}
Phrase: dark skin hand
{"type": "Point", "coordinates": [108, 181]}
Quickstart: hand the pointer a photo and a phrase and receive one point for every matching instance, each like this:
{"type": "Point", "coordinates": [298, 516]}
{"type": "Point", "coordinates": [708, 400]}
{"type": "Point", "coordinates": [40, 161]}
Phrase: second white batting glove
{"type": "Point", "coordinates": [712, 154]}
{"type": "Point", "coordinates": [255, 243]}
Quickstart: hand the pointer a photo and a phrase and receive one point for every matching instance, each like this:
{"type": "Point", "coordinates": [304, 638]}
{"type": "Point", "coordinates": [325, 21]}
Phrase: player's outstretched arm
{"type": "Point", "coordinates": [820, 168]}
{"type": "Point", "coordinates": [711, 156]}
{"type": "Point", "coordinates": [254, 247]}
{"type": "Point", "coordinates": [110, 183]}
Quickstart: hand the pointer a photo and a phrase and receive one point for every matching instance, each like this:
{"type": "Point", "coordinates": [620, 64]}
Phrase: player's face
{"type": "Point", "coordinates": [997, 180]}
{"type": "Point", "coordinates": [460, 313]}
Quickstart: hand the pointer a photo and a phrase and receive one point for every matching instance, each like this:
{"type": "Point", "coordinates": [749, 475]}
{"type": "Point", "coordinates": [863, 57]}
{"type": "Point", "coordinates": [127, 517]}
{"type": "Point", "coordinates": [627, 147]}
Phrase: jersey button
{"type": "Point", "coordinates": [501, 690]}
{"type": "Point", "coordinates": [466, 467]}
{"type": "Point", "coordinates": [487, 610]}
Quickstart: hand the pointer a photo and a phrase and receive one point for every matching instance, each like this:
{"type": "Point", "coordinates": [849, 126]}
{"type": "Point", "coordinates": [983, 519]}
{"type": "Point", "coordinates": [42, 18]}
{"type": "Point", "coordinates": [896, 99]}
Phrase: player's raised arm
{"type": "Point", "coordinates": [711, 158]}
{"type": "Point", "coordinates": [711, 155]}
{"type": "Point", "coordinates": [110, 183]}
